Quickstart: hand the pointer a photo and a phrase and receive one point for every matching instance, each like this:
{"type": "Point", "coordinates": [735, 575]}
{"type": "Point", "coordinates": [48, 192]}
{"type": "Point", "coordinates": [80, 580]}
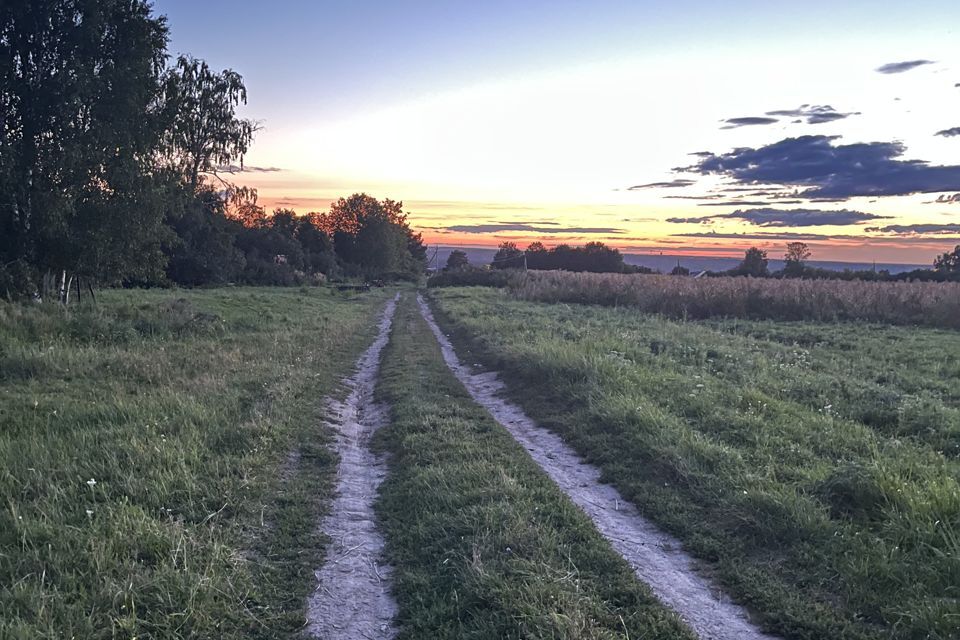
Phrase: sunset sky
{"type": "Point", "coordinates": [681, 127]}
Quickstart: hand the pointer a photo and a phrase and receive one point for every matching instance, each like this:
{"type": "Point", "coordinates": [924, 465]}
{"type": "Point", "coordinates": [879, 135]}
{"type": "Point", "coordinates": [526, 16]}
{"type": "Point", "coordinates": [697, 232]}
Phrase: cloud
{"type": "Point", "coordinates": [744, 203]}
{"type": "Point", "coordinates": [495, 227]}
{"type": "Point", "coordinates": [814, 113]}
{"type": "Point", "coordinates": [768, 217]}
{"type": "Point", "coordinates": [918, 229]}
{"type": "Point", "coordinates": [822, 169]}
{"type": "Point", "coordinates": [733, 123]}
{"type": "Point", "coordinates": [900, 67]}
{"type": "Point", "coordinates": [760, 235]}
{"type": "Point", "coordinates": [948, 199]}
{"type": "Point", "coordinates": [672, 184]}
{"type": "Point", "coordinates": [232, 168]}
{"type": "Point", "coordinates": [949, 133]}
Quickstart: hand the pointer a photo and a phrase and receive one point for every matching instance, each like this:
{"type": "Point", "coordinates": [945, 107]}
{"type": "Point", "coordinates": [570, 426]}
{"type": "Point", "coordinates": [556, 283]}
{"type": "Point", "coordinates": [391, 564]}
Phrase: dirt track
{"type": "Point", "coordinates": [352, 600]}
{"type": "Point", "coordinates": [657, 558]}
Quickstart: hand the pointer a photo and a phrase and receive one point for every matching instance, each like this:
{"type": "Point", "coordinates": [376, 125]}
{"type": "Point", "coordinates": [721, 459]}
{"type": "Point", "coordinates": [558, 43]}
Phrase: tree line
{"type": "Point", "coordinates": [946, 267]}
{"type": "Point", "coordinates": [598, 258]}
{"type": "Point", "coordinates": [115, 163]}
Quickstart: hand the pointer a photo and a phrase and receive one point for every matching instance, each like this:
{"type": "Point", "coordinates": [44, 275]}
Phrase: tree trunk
{"type": "Point", "coordinates": [63, 287]}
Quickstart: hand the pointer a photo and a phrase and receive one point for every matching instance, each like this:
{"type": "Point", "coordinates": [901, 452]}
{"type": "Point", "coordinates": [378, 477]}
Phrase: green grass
{"type": "Point", "coordinates": [484, 545]}
{"type": "Point", "coordinates": [162, 459]}
{"type": "Point", "coordinates": [813, 466]}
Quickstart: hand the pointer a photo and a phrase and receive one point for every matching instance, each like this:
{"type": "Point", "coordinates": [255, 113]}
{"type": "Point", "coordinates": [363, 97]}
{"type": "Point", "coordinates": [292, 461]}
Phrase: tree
{"type": "Point", "coordinates": [754, 264]}
{"type": "Point", "coordinates": [202, 127]}
{"type": "Point", "coordinates": [457, 260]}
{"type": "Point", "coordinates": [538, 257]}
{"type": "Point", "coordinates": [508, 256]}
{"type": "Point", "coordinates": [79, 127]}
{"type": "Point", "coordinates": [948, 263]}
{"type": "Point", "coordinates": [797, 253]}
{"type": "Point", "coordinates": [680, 271]}
{"type": "Point", "coordinates": [374, 236]}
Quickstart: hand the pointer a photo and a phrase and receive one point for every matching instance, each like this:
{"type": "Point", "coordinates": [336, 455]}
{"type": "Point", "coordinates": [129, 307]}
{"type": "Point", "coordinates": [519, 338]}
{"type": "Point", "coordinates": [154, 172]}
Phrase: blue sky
{"type": "Point", "coordinates": [483, 113]}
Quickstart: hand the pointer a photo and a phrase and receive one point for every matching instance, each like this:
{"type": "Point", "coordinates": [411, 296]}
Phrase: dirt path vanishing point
{"type": "Point", "coordinates": [656, 557]}
{"type": "Point", "coordinates": [352, 600]}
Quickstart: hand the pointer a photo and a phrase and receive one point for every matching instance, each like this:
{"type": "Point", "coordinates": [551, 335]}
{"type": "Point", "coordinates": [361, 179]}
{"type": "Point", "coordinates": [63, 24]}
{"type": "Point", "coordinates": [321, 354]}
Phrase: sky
{"type": "Point", "coordinates": [698, 128]}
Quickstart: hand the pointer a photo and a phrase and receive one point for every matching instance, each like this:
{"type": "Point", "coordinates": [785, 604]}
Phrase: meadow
{"type": "Point", "coordinates": [811, 466]}
{"type": "Point", "coordinates": [163, 462]}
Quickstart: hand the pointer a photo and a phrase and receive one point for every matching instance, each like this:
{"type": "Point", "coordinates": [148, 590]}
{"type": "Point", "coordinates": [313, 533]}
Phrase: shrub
{"type": "Point", "coordinates": [473, 277]}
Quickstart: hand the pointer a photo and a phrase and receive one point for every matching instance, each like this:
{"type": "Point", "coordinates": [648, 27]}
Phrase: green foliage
{"type": "Point", "coordinates": [473, 277]}
{"type": "Point", "coordinates": [164, 460]}
{"type": "Point", "coordinates": [373, 238]}
{"type": "Point", "coordinates": [79, 124]}
{"type": "Point", "coordinates": [483, 544]}
{"type": "Point", "coordinates": [202, 130]}
{"type": "Point", "coordinates": [813, 466]}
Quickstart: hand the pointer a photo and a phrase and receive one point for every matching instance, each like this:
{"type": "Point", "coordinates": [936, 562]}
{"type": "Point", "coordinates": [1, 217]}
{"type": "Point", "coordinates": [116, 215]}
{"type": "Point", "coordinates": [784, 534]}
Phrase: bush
{"type": "Point", "coordinates": [473, 277]}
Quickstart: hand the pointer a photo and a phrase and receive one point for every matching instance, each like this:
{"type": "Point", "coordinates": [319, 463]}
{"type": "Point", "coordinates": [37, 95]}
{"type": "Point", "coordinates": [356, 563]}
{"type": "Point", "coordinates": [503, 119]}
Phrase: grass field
{"type": "Point", "coordinates": [813, 467]}
{"type": "Point", "coordinates": [934, 304]}
{"type": "Point", "coordinates": [162, 463]}
{"type": "Point", "coordinates": [483, 544]}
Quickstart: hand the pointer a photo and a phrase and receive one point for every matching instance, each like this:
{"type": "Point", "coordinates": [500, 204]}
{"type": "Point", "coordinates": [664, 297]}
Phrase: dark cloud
{"type": "Point", "coordinates": [495, 227]}
{"type": "Point", "coordinates": [733, 123]}
{"type": "Point", "coordinates": [768, 217]}
{"type": "Point", "coordinates": [232, 168]}
{"type": "Point", "coordinates": [537, 222]}
{"type": "Point", "coordinates": [663, 185]}
{"type": "Point", "coordinates": [821, 169]}
{"type": "Point", "coordinates": [712, 196]}
{"type": "Point", "coordinates": [760, 235]}
{"type": "Point", "coordinates": [745, 203]}
{"type": "Point", "coordinates": [949, 133]}
{"type": "Point", "coordinates": [900, 67]}
{"type": "Point", "coordinates": [918, 229]}
{"type": "Point", "coordinates": [814, 113]}
{"type": "Point", "coordinates": [948, 199]}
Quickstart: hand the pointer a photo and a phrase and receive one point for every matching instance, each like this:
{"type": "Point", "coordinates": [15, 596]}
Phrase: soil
{"type": "Point", "coordinates": [352, 600]}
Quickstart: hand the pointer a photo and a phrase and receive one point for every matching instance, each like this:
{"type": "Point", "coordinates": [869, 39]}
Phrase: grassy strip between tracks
{"type": "Point", "coordinates": [830, 514]}
{"type": "Point", "coordinates": [484, 545]}
{"type": "Point", "coordinates": [162, 459]}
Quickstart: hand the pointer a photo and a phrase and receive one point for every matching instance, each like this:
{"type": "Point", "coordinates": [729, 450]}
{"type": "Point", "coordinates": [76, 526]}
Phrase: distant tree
{"type": "Point", "coordinates": [202, 127]}
{"type": "Point", "coordinates": [754, 264]}
{"type": "Point", "coordinates": [508, 256]}
{"type": "Point", "coordinates": [797, 253]}
{"type": "Point", "coordinates": [599, 258]}
{"type": "Point", "coordinates": [457, 260]}
{"type": "Point", "coordinates": [680, 271]}
{"type": "Point", "coordinates": [949, 262]}
{"type": "Point", "coordinates": [538, 257]}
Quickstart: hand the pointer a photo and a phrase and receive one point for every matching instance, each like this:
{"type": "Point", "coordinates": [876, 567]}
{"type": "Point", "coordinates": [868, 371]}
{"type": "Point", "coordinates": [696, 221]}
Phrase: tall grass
{"type": "Point", "coordinates": [922, 303]}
